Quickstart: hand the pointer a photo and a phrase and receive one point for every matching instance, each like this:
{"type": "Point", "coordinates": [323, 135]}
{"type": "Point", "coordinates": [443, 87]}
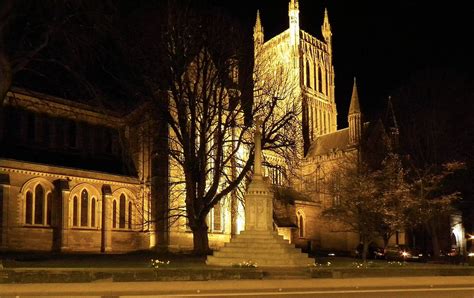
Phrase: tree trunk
{"type": "Point", "coordinates": [434, 239]}
{"type": "Point", "coordinates": [364, 251]}
{"type": "Point", "coordinates": [200, 237]}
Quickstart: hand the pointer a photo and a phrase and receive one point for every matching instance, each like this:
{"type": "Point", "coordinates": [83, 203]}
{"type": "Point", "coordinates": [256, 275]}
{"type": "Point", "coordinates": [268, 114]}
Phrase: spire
{"type": "Point", "coordinates": [354, 108]}
{"type": "Point", "coordinates": [258, 23]}
{"type": "Point", "coordinates": [258, 30]}
{"type": "Point", "coordinates": [355, 117]}
{"type": "Point", "coordinates": [326, 29]}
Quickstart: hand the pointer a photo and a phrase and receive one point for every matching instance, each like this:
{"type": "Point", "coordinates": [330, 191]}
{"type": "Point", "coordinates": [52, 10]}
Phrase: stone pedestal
{"type": "Point", "coordinates": [259, 243]}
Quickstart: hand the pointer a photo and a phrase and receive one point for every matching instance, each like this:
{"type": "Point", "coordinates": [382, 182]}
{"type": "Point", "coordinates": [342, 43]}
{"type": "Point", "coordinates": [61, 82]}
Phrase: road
{"type": "Point", "coordinates": [462, 286]}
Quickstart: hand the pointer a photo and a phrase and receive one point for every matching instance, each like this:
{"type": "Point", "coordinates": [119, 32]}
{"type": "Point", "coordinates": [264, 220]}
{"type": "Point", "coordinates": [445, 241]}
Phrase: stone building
{"type": "Point", "coordinates": [66, 181]}
{"type": "Point", "coordinates": [308, 63]}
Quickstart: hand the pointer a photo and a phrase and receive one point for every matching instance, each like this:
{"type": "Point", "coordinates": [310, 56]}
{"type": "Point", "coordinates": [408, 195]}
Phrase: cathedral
{"type": "Point", "coordinates": [75, 178]}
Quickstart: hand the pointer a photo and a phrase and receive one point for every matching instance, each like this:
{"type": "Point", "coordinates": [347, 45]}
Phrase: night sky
{"type": "Point", "coordinates": [382, 43]}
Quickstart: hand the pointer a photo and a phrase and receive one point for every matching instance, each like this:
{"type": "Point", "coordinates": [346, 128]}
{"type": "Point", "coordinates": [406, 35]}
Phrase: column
{"type": "Point", "coordinates": [106, 219]}
{"type": "Point", "coordinates": [62, 187]}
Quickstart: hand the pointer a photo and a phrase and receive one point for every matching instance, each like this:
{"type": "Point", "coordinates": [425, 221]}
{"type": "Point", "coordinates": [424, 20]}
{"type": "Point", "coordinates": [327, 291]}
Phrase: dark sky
{"type": "Point", "coordinates": [382, 43]}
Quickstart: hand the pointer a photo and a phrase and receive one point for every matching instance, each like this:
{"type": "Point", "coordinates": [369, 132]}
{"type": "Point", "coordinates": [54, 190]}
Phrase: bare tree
{"type": "Point", "coordinates": [190, 72]}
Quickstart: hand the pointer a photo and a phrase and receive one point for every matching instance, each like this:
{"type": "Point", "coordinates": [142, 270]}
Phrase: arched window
{"type": "Point", "coordinates": [75, 212]}
{"type": "Point", "coordinates": [114, 214]}
{"type": "Point", "coordinates": [122, 212]}
{"type": "Point", "coordinates": [39, 204]}
{"type": "Point", "coordinates": [29, 208]}
{"type": "Point", "coordinates": [49, 206]}
{"type": "Point", "coordinates": [129, 215]}
{"type": "Point", "coordinates": [84, 207]}
{"type": "Point", "coordinates": [301, 231]}
{"type": "Point", "coordinates": [93, 213]}
{"type": "Point", "coordinates": [320, 80]}
{"type": "Point", "coordinates": [308, 75]}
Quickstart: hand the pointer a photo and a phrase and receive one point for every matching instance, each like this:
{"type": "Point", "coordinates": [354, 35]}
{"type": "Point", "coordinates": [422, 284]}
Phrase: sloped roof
{"type": "Point", "coordinates": [328, 142]}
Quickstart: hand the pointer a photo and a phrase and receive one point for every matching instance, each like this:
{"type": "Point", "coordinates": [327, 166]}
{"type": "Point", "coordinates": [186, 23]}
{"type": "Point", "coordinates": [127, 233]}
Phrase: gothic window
{"type": "Point", "coordinates": [114, 215]}
{"type": "Point", "coordinates": [327, 82]}
{"type": "Point", "coordinates": [29, 208]}
{"type": "Point", "coordinates": [49, 207]}
{"type": "Point", "coordinates": [38, 205]}
{"type": "Point", "coordinates": [315, 74]}
{"type": "Point", "coordinates": [75, 211]}
{"type": "Point", "coordinates": [122, 217]}
{"type": "Point", "coordinates": [122, 212]}
{"type": "Point", "coordinates": [308, 75]}
{"type": "Point", "coordinates": [84, 207]}
{"type": "Point", "coordinates": [320, 80]}
{"type": "Point", "coordinates": [84, 210]}
{"type": "Point", "coordinates": [301, 224]}
{"type": "Point", "coordinates": [129, 215]}
{"type": "Point", "coordinates": [93, 212]}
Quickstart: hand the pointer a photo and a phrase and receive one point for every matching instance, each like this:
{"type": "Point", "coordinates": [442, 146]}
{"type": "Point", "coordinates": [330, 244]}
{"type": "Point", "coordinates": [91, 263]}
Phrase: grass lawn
{"type": "Point", "coordinates": [347, 262]}
{"type": "Point", "coordinates": [135, 260]}
{"type": "Point", "coordinates": [143, 260]}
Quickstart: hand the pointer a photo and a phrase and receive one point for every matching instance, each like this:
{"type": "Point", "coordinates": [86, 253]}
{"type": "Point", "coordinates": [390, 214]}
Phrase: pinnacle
{"type": "Point", "coordinates": [354, 107]}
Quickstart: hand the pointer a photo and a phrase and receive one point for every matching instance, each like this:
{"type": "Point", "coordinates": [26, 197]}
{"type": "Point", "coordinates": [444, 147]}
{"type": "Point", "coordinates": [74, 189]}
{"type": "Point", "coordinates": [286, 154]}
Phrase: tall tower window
{"type": "Point", "coordinates": [308, 74]}
{"type": "Point", "coordinates": [320, 80]}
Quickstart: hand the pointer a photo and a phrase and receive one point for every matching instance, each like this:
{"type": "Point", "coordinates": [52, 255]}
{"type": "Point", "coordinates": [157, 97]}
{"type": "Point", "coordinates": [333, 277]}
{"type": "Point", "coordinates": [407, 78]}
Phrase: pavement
{"type": "Point", "coordinates": [103, 288]}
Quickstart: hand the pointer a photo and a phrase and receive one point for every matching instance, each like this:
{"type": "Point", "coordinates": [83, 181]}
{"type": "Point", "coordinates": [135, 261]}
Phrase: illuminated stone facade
{"type": "Point", "coordinates": [308, 63]}
{"type": "Point", "coordinates": [65, 185]}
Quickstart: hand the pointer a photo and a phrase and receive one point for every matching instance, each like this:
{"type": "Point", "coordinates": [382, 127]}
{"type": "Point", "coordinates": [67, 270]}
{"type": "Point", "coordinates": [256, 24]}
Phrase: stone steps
{"type": "Point", "coordinates": [251, 254]}
{"type": "Point", "coordinates": [261, 262]}
{"type": "Point", "coordinates": [265, 248]}
{"type": "Point", "coordinates": [238, 247]}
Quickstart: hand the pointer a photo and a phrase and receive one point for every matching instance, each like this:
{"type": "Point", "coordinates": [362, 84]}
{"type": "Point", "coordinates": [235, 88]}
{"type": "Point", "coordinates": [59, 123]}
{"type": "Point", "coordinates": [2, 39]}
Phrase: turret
{"type": "Point", "coordinates": [293, 14]}
{"type": "Point", "coordinates": [326, 30]}
{"type": "Point", "coordinates": [258, 33]}
{"type": "Point", "coordinates": [355, 117]}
